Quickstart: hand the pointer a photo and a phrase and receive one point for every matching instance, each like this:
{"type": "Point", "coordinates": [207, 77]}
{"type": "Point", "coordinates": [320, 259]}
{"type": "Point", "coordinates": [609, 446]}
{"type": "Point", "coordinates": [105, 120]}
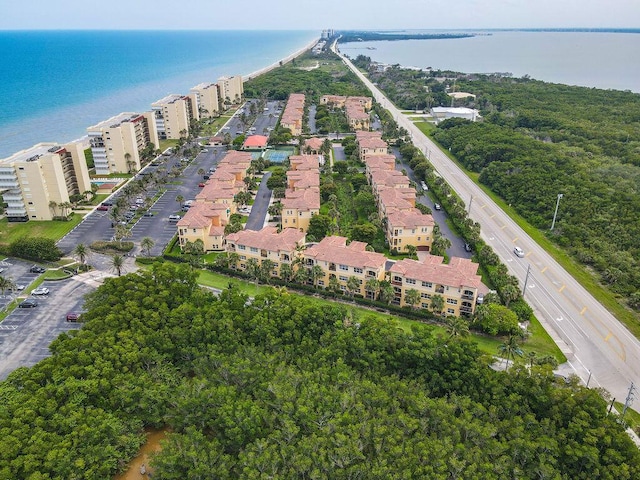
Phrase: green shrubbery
{"type": "Point", "coordinates": [38, 249]}
{"type": "Point", "coordinates": [112, 247]}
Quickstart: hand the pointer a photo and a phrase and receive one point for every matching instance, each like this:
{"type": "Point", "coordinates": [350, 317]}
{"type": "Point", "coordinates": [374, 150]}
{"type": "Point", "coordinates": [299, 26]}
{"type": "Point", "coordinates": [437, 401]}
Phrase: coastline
{"type": "Point", "coordinates": [287, 59]}
{"type": "Point", "coordinates": [84, 140]}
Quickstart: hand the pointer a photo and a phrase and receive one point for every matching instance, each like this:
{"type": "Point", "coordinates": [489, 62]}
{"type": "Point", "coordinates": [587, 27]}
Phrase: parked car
{"type": "Point", "coordinates": [28, 303]}
{"type": "Point", "coordinates": [40, 291]}
{"type": "Point", "coordinates": [174, 218]}
{"type": "Point", "coordinates": [424, 186]}
{"type": "Point", "coordinates": [102, 208]}
{"type": "Point", "coordinates": [206, 177]}
{"type": "Point", "coordinates": [519, 252]}
{"type": "Point", "coordinates": [139, 201]}
{"type": "Point", "coordinates": [73, 317]}
{"type": "Point", "coordinates": [437, 206]}
{"type": "Point", "coordinates": [188, 203]}
{"type": "Point", "coordinates": [201, 184]}
{"type": "Point", "coordinates": [467, 247]}
{"type": "Point", "coordinates": [107, 203]}
{"type": "Point", "coordinates": [148, 213]}
{"type": "Point", "coordinates": [37, 269]}
{"type": "Point", "coordinates": [19, 287]}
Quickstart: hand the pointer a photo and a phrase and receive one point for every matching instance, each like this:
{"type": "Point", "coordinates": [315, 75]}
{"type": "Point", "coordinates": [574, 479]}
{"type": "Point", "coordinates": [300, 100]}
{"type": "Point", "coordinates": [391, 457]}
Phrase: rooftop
{"type": "Point", "coordinates": [33, 153]}
{"type": "Point", "coordinates": [255, 141]}
{"type": "Point", "coordinates": [460, 272]}
{"type": "Point", "coordinates": [269, 239]}
{"type": "Point", "coordinates": [334, 249]}
{"type": "Point", "coordinates": [115, 121]}
{"type": "Point", "coordinates": [168, 99]}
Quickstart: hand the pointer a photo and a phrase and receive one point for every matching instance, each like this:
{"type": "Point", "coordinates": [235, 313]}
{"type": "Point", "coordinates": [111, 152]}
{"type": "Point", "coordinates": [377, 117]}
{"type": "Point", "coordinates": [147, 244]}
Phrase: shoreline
{"type": "Point", "coordinates": [84, 139]}
{"type": "Point", "coordinates": [280, 62]}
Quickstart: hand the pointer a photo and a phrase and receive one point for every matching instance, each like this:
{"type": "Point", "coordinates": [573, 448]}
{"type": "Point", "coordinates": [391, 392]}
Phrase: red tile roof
{"type": "Point", "coordinates": [459, 273]}
{"type": "Point", "coordinates": [410, 219]}
{"type": "Point", "coordinates": [334, 249]}
{"type": "Point", "coordinates": [269, 239]}
{"type": "Point", "coordinates": [255, 141]}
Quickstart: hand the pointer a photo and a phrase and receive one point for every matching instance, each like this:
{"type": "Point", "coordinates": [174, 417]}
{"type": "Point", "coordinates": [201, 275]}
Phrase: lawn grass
{"type": "Point", "coordinates": [630, 416]}
{"type": "Point", "coordinates": [167, 143]}
{"type": "Point", "coordinates": [607, 298]}
{"type": "Point", "coordinates": [55, 230]}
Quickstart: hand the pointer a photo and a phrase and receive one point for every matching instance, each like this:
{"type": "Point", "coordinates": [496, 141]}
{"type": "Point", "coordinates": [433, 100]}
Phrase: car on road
{"type": "Point", "coordinates": [28, 303]}
{"type": "Point", "coordinates": [437, 206]}
{"type": "Point", "coordinates": [467, 247]}
{"type": "Point", "coordinates": [37, 269]}
{"type": "Point", "coordinates": [73, 317]}
{"type": "Point", "coordinates": [424, 186]}
{"type": "Point", "coordinates": [174, 218]}
{"type": "Point", "coordinates": [519, 252]}
{"type": "Point", "coordinates": [40, 291]}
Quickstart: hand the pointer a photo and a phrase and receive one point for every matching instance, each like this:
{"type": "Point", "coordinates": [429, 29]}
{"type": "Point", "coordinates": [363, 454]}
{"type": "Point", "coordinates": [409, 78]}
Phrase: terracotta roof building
{"type": "Point", "coordinates": [255, 142]}
{"type": "Point", "coordinates": [457, 282]}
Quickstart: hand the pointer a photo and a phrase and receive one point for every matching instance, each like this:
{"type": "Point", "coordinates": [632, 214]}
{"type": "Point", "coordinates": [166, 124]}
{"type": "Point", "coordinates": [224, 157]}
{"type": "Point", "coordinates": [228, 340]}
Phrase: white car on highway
{"type": "Point", "coordinates": [519, 252]}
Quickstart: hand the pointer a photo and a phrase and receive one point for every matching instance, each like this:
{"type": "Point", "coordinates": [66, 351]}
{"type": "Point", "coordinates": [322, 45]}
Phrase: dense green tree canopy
{"type": "Point", "coordinates": [280, 387]}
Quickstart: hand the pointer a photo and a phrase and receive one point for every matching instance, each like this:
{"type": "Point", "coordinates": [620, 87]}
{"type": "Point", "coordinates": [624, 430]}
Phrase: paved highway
{"type": "Point", "coordinates": [599, 349]}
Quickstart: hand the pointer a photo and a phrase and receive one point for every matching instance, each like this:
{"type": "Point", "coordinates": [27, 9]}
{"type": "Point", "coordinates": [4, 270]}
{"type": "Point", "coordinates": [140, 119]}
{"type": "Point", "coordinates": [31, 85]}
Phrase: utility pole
{"type": "Point", "coordinates": [629, 400]}
{"type": "Point", "coordinates": [526, 279]}
{"type": "Point", "coordinates": [553, 224]}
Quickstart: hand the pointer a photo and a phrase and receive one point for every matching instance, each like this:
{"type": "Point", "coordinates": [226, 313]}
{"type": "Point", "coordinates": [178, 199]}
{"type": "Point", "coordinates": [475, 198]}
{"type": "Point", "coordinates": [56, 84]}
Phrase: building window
{"type": "Point", "coordinates": [253, 249]}
{"type": "Point", "coordinates": [410, 281]}
{"type": "Point", "coordinates": [343, 288]}
{"type": "Point", "coordinates": [342, 278]}
{"type": "Point", "coordinates": [424, 305]}
{"type": "Point", "coordinates": [425, 295]}
{"type": "Point", "coordinates": [321, 282]}
{"type": "Point", "coordinates": [194, 230]}
{"type": "Point", "coordinates": [452, 301]}
{"type": "Point", "coordinates": [243, 257]}
{"type": "Point", "coordinates": [357, 270]}
{"type": "Point", "coordinates": [344, 267]}
{"type": "Point", "coordinates": [451, 311]}
{"type": "Point", "coordinates": [427, 284]}
{"type": "Point", "coordinates": [241, 247]}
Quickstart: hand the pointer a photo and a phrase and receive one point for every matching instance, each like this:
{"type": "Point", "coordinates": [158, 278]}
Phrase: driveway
{"type": "Point", "coordinates": [312, 120]}
{"type": "Point", "coordinates": [260, 205]}
{"type": "Point", "coordinates": [440, 216]}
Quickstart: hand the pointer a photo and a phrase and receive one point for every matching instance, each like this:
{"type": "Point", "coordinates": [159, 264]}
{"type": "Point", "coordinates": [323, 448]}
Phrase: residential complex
{"type": "Point", "coordinates": [173, 115]}
{"type": "Point", "coordinates": [267, 244]}
{"type": "Point", "coordinates": [213, 206]}
{"type": "Point", "coordinates": [356, 109]}
{"type": "Point", "coordinates": [293, 113]}
{"type": "Point", "coordinates": [117, 142]}
{"type": "Point", "coordinates": [35, 182]}
{"type": "Point", "coordinates": [456, 282]}
{"type": "Point", "coordinates": [207, 98]}
{"type": "Point", "coordinates": [230, 90]}
{"type": "Point", "coordinates": [339, 261]}
{"type": "Point", "coordinates": [302, 195]}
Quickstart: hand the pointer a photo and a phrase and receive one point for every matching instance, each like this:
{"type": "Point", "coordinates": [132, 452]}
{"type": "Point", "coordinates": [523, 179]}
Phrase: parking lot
{"type": "Point", "coordinates": [26, 333]}
{"type": "Point", "coordinates": [18, 272]}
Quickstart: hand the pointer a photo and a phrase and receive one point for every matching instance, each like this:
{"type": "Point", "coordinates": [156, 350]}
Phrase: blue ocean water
{"type": "Point", "coordinates": [55, 84]}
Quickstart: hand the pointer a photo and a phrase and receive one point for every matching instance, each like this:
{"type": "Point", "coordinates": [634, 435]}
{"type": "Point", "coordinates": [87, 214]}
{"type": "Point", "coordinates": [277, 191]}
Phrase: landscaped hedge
{"type": "Point", "coordinates": [111, 247]}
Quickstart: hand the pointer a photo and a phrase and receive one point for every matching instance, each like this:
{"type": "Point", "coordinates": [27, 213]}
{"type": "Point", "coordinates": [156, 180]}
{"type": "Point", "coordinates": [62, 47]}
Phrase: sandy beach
{"type": "Point", "coordinates": [280, 62]}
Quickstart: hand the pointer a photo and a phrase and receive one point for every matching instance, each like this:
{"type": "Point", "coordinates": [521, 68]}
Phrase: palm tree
{"type": "Point", "coordinates": [412, 297]}
{"type": "Point", "coordinates": [180, 200]}
{"type": "Point", "coordinates": [372, 286]}
{"type": "Point", "coordinates": [146, 244]}
{"type": "Point", "coordinates": [81, 252]}
{"type": "Point", "coordinates": [315, 274]}
{"type": "Point", "coordinates": [509, 293]}
{"type": "Point", "coordinates": [411, 250]}
{"type": "Point", "coordinates": [6, 284]}
{"type": "Point", "coordinates": [253, 269]}
{"type": "Point", "coordinates": [353, 285]}
{"type": "Point", "coordinates": [457, 326]}
{"type": "Point", "coordinates": [130, 163]}
{"type": "Point", "coordinates": [510, 347]}
{"type": "Point", "coordinates": [117, 264]}
{"type": "Point", "coordinates": [266, 267]}
{"type": "Point", "coordinates": [386, 292]}
{"type": "Point", "coordinates": [53, 206]}
{"type": "Point", "coordinates": [286, 272]}
{"type": "Point", "coordinates": [437, 303]}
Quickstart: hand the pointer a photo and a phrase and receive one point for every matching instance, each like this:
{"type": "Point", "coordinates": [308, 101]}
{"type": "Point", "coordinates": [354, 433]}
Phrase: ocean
{"type": "Point", "coordinates": [55, 84]}
{"type": "Point", "coordinates": [591, 59]}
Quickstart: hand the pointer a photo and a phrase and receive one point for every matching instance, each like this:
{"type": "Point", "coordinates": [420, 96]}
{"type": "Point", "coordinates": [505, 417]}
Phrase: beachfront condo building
{"type": "Point", "coordinates": [117, 142]}
{"type": "Point", "coordinates": [267, 244]}
{"type": "Point", "coordinates": [339, 261]}
{"type": "Point", "coordinates": [230, 91]}
{"type": "Point", "coordinates": [456, 282]}
{"type": "Point", "coordinates": [293, 112]}
{"type": "Point", "coordinates": [207, 98]}
{"type": "Point", "coordinates": [173, 115]}
{"type": "Point", "coordinates": [34, 183]}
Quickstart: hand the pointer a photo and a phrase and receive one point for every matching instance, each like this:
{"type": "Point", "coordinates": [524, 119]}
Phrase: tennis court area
{"type": "Point", "coordinates": [278, 155]}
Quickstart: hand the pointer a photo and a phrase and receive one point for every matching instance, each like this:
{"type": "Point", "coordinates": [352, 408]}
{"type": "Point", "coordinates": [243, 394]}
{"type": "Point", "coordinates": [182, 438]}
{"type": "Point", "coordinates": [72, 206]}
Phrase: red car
{"type": "Point", "coordinates": [102, 208]}
{"type": "Point", "coordinates": [73, 317]}
{"type": "Point", "coordinates": [201, 184]}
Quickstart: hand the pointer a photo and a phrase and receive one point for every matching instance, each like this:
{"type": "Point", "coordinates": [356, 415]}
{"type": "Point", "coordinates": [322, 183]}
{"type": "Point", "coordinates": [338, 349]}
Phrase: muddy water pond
{"type": "Point", "coordinates": [152, 445]}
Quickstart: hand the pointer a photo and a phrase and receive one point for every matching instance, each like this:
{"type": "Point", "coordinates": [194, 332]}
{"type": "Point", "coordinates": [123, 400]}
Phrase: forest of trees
{"type": "Point", "coordinates": [277, 387]}
{"type": "Point", "coordinates": [280, 82]}
{"type": "Point", "coordinates": [538, 140]}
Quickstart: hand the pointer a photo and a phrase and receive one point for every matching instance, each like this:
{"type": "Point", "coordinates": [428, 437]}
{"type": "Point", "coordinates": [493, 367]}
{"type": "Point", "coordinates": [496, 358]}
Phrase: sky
{"type": "Point", "coordinates": [315, 14]}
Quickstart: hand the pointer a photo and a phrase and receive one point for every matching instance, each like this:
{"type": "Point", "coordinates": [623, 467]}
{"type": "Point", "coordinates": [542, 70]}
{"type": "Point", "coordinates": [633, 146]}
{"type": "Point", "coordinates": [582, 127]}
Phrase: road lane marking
{"type": "Point", "coordinates": [584, 309]}
{"type": "Point", "coordinates": [562, 288]}
{"type": "Point", "coordinates": [544, 269]}
{"type": "Point", "coordinates": [492, 215]}
{"type": "Point", "coordinates": [503, 227]}
{"type": "Point", "coordinates": [609, 335]}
